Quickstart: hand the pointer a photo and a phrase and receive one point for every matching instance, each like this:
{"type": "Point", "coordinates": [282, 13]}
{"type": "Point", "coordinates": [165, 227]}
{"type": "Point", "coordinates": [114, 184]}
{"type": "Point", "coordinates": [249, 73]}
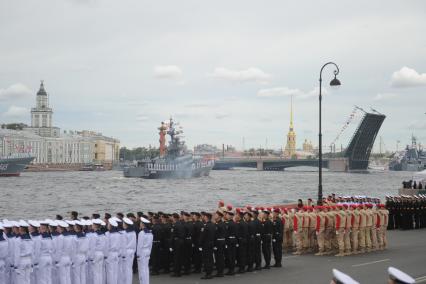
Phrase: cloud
{"type": "Point", "coordinates": [167, 72]}
{"type": "Point", "coordinates": [16, 112]}
{"type": "Point", "coordinates": [142, 118]}
{"type": "Point", "coordinates": [278, 92]}
{"type": "Point", "coordinates": [407, 77]}
{"type": "Point", "coordinates": [251, 74]}
{"type": "Point", "coordinates": [15, 91]}
{"type": "Point", "coordinates": [222, 115]}
{"type": "Point", "coordinates": [384, 96]}
{"type": "Point", "coordinates": [285, 91]}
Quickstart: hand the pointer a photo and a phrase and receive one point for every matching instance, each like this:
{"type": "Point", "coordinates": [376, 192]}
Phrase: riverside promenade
{"type": "Point", "coordinates": [406, 251]}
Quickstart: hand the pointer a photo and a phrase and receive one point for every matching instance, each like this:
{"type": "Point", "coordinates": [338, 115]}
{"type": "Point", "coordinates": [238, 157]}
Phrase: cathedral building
{"type": "Point", "coordinates": [290, 147]}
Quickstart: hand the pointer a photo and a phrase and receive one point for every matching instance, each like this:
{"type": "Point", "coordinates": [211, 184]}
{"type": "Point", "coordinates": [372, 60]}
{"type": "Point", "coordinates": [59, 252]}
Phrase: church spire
{"type": "Point", "coordinates": [291, 115]}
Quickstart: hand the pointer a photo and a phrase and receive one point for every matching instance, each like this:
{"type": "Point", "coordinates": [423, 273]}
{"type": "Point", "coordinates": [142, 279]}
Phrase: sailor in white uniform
{"type": "Point", "coordinates": [143, 250]}
{"type": "Point", "coordinates": [9, 236]}
{"type": "Point", "coordinates": [91, 236]}
{"type": "Point", "coordinates": [4, 254]}
{"type": "Point", "coordinates": [44, 275]}
{"type": "Point", "coordinates": [100, 247]}
{"type": "Point", "coordinates": [64, 249]}
{"type": "Point", "coordinates": [24, 250]}
{"type": "Point", "coordinates": [35, 236]}
{"type": "Point", "coordinates": [113, 247]}
{"type": "Point", "coordinates": [130, 250]}
{"type": "Point", "coordinates": [81, 249]}
{"type": "Point", "coordinates": [13, 242]}
{"type": "Point", "coordinates": [53, 230]}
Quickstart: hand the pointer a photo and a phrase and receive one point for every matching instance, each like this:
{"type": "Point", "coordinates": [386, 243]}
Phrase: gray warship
{"type": "Point", "coordinates": [174, 160]}
{"type": "Point", "coordinates": [412, 159]}
{"type": "Point", "coordinates": [14, 164]}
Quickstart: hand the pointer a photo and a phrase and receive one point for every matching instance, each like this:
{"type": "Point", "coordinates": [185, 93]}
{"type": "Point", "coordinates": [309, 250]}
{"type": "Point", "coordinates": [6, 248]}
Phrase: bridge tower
{"type": "Point", "coordinates": [290, 147]}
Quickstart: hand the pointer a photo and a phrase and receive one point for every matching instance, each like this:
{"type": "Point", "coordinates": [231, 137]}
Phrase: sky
{"type": "Point", "coordinates": [225, 70]}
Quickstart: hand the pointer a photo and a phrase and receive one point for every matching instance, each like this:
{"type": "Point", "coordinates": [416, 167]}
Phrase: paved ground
{"type": "Point", "coordinates": [407, 251]}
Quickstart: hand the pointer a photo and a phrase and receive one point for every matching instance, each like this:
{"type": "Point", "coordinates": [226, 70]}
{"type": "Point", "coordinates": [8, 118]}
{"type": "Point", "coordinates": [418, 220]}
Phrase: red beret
{"type": "Point", "coordinates": [277, 210]}
{"type": "Point", "coordinates": [229, 207]}
{"type": "Point", "coordinates": [221, 203]}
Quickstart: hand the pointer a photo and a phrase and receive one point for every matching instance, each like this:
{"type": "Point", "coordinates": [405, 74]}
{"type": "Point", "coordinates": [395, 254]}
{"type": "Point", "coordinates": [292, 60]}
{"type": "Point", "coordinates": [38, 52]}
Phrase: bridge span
{"type": "Point", "coordinates": [277, 164]}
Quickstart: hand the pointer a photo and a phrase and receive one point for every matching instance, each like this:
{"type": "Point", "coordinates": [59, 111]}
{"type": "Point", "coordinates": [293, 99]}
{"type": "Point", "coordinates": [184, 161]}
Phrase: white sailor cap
{"type": "Point", "coordinates": [79, 222]}
{"type": "Point", "coordinates": [22, 223]}
{"type": "Point", "coordinates": [118, 220]}
{"type": "Point", "coordinates": [7, 224]}
{"type": "Point", "coordinates": [145, 221]}
{"type": "Point", "coordinates": [70, 222]}
{"type": "Point", "coordinates": [342, 278]}
{"type": "Point", "coordinates": [401, 277]}
{"type": "Point", "coordinates": [62, 224]}
{"type": "Point", "coordinates": [45, 222]}
{"type": "Point", "coordinates": [15, 224]}
{"type": "Point", "coordinates": [112, 222]}
{"type": "Point", "coordinates": [88, 222]}
{"type": "Point", "coordinates": [103, 223]}
{"type": "Point", "coordinates": [53, 223]}
{"type": "Point", "coordinates": [33, 223]}
{"type": "Point", "coordinates": [127, 221]}
{"type": "Point", "coordinates": [97, 221]}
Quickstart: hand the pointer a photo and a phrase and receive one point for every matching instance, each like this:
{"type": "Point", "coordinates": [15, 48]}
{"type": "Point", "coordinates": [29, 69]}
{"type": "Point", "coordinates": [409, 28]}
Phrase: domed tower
{"type": "Point", "coordinates": [290, 147]}
{"type": "Point", "coordinates": [41, 115]}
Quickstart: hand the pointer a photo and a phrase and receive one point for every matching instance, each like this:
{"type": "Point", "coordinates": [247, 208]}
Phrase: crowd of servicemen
{"type": "Point", "coordinates": [406, 212]}
{"type": "Point", "coordinates": [228, 241]}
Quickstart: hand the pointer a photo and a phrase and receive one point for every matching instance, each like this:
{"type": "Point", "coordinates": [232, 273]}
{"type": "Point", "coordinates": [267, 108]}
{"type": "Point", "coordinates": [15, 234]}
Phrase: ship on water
{"type": "Point", "coordinates": [14, 164]}
{"type": "Point", "coordinates": [412, 159]}
{"type": "Point", "coordinates": [174, 160]}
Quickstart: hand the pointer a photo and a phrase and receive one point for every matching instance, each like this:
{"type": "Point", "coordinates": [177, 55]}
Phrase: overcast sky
{"type": "Point", "coordinates": [224, 69]}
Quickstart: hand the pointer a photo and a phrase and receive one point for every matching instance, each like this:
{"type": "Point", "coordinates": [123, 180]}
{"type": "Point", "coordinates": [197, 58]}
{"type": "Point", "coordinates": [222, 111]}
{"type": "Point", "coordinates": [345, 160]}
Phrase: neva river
{"type": "Point", "coordinates": [43, 195]}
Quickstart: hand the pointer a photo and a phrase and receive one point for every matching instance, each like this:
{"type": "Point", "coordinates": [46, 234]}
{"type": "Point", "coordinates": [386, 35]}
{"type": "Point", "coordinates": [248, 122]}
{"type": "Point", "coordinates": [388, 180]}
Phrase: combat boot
{"type": "Point", "coordinates": [341, 253]}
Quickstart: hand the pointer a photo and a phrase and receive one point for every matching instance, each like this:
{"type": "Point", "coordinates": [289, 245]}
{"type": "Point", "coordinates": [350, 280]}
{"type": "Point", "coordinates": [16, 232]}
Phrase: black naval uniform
{"type": "Point", "coordinates": [156, 248]}
{"type": "Point", "coordinates": [258, 243]}
{"type": "Point", "coordinates": [187, 247]}
{"type": "Point", "coordinates": [196, 254]}
{"type": "Point", "coordinates": [178, 234]}
{"type": "Point", "coordinates": [207, 242]}
{"type": "Point", "coordinates": [250, 245]}
{"type": "Point", "coordinates": [219, 249]}
{"type": "Point", "coordinates": [231, 242]}
{"type": "Point", "coordinates": [266, 242]}
{"type": "Point", "coordinates": [166, 244]}
{"type": "Point", "coordinates": [277, 241]}
{"type": "Point", "coordinates": [242, 234]}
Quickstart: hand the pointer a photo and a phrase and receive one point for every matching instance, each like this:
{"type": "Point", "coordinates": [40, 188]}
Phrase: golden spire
{"type": "Point", "coordinates": [291, 114]}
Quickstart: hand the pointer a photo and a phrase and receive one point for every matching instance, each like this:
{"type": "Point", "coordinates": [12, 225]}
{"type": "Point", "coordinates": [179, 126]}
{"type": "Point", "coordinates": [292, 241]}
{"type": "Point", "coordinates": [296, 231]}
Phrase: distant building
{"type": "Point", "coordinates": [42, 116]}
{"type": "Point", "coordinates": [49, 146]}
{"type": "Point", "coordinates": [308, 147]}
{"type": "Point", "coordinates": [206, 149]}
{"type": "Point", "coordinates": [290, 147]}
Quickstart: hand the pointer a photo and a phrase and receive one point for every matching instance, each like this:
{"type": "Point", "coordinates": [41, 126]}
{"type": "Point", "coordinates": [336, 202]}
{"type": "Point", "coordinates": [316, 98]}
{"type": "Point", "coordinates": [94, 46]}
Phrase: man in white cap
{"type": "Point", "coordinates": [81, 248]}
{"type": "Point", "coordinates": [113, 247]}
{"type": "Point", "coordinates": [100, 250]}
{"type": "Point", "coordinates": [10, 237]}
{"type": "Point", "coordinates": [130, 250]}
{"type": "Point", "coordinates": [53, 230]}
{"type": "Point", "coordinates": [35, 236]}
{"type": "Point", "coordinates": [143, 251]}
{"type": "Point", "coordinates": [342, 278]}
{"type": "Point", "coordinates": [44, 275]}
{"type": "Point", "coordinates": [4, 253]}
{"type": "Point", "coordinates": [91, 236]}
{"type": "Point", "coordinates": [397, 276]}
{"type": "Point", "coordinates": [24, 250]}
{"type": "Point", "coordinates": [64, 250]}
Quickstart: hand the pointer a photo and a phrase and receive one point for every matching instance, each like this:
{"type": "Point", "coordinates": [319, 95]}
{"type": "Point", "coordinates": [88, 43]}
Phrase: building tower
{"type": "Point", "coordinates": [290, 147]}
{"type": "Point", "coordinates": [41, 115]}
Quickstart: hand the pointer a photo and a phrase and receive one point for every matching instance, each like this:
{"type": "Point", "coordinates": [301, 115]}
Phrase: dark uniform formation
{"type": "Point", "coordinates": [406, 212]}
{"type": "Point", "coordinates": [227, 242]}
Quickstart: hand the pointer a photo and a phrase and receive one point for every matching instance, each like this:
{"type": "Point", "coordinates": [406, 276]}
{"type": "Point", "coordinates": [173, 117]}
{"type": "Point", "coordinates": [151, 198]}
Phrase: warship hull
{"type": "Point", "coordinates": [142, 172]}
{"type": "Point", "coordinates": [13, 166]}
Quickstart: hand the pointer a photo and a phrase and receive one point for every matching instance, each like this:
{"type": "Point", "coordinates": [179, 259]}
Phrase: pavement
{"type": "Point", "coordinates": [406, 251]}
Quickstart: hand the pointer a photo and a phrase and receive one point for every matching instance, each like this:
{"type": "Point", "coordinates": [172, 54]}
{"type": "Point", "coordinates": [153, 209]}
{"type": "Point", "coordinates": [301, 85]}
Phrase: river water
{"type": "Point", "coordinates": [43, 195]}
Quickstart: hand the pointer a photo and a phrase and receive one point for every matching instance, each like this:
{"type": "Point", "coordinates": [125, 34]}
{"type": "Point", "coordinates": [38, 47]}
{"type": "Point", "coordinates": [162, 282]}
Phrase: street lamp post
{"type": "Point", "coordinates": [335, 82]}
